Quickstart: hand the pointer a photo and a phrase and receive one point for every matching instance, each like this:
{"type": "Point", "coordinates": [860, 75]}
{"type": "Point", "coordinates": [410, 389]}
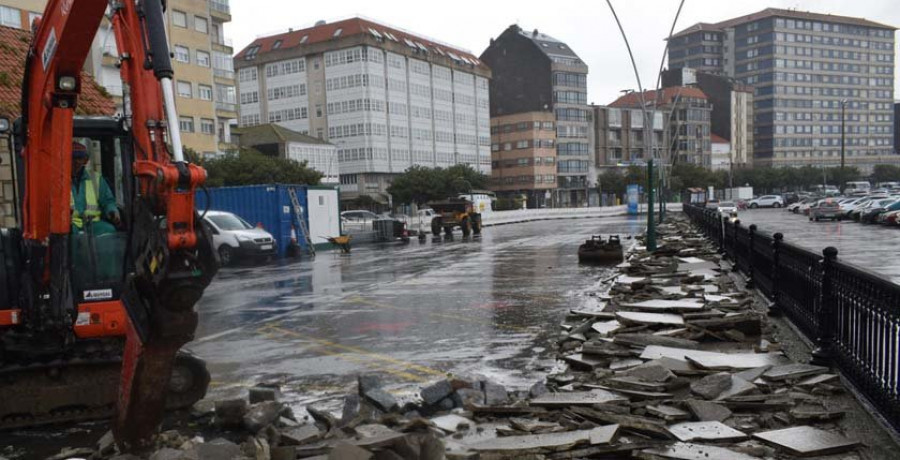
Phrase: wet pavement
{"type": "Point", "coordinates": [873, 247]}
{"type": "Point", "coordinates": [414, 313]}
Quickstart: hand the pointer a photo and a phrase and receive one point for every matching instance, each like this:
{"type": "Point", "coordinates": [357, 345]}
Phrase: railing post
{"type": "Point", "coordinates": [720, 229]}
{"type": "Point", "coordinates": [734, 237]}
{"type": "Point", "coordinates": [823, 355]}
{"type": "Point", "coordinates": [750, 252]}
{"type": "Point", "coordinates": [774, 309]}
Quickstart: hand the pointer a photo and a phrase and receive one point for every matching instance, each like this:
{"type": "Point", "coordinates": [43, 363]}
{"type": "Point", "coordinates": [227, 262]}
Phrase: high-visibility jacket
{"type": "Point", "coordinates": [92, 211]}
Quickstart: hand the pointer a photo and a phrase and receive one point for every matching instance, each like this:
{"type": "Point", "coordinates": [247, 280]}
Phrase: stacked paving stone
{"type": "Point", "coordinates": [670, 360]}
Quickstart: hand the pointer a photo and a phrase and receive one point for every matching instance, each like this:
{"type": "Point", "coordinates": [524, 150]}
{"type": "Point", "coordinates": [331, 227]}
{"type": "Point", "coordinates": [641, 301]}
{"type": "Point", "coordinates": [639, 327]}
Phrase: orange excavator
{"type": "Point", "coordinates": [91, 323]}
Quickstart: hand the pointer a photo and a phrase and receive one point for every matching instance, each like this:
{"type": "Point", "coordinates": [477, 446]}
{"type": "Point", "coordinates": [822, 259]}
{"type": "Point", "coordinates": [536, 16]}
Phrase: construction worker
{"type": "Point", "coordinates": [91, 197]}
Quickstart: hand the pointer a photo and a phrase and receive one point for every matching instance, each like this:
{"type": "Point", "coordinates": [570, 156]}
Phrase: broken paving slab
{"type": "Point", "coordinates": [806, 441]}
{"type": "Point", "coordinates": [606, 327]}
{"type": "Point", "coordinates": [585, 362]}
{"type": "Point", "coordinates": [534, 443]}
{"type": "Point", "coordinates": [706, 431]}
{"type": "Point", "coordinates": [707, 411]}
{"type": "Point", "coordinates": [577, 398]}
{"type": "Point", "coordinates": [712, 360]}
{"type": "Point", "coordinates": [690, 451]}
{"type": "Point", "coordinates": [650, 319]}
{"type": "Point", "coordinates": [739, 387]}
{"type": "Point", "coordinates": [651, 339]}
{"type": "Point", "coordinates": [668, 413]}
{"type": "Point", "coordinates": [816, 380]}
{"type": "Point", "coordinates": [793, 371]}
{"type": "Point", "coordinates": [666, 305]}
{"type": "Point", "coordinates": [451, 423]}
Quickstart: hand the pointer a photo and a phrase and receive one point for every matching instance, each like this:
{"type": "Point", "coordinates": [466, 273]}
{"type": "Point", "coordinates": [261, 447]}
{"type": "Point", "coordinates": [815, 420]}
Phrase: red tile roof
{"type": "Point", "coordinates": [633, 100]}
{"type": "Point", "coordinates": [716, 139]}
{"type": "Point", "coordinates": [13, 49]}
{"type": "Point", "coordinates": [776, 12]}
{"type": "Point", "coordinates": [349, 27]}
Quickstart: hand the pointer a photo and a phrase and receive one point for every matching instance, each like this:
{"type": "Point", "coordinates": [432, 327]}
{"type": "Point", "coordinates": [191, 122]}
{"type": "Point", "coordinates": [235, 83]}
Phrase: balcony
{"type": "Point", "coordinates": [220, 10]}
{"type": "Point", "coordinates": [224, 76]}
{"type": "Point", "coordinates": [225, 46]}
{"type": "Point", "coordinates": [226, 109]}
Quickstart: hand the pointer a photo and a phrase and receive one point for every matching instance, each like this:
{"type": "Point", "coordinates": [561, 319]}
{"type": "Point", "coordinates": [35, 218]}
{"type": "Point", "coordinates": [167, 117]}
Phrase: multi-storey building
{"type": "Point", "coordinates": [388, 99]}
{"type": "Point", "coordinates": [732, 109]}
{"type": "Point", "coordinates": [809, 71]}
{"type": "Point", "coordinates": [523, 156]}
{"type": "Point", "coordinates": [620, 133]}
{"type": "Point", "coordinates": [535, 72]}
{"type": "Point", "coordinates": [686, 112]}
{"type": "Point", "coordinates": [204, 74]}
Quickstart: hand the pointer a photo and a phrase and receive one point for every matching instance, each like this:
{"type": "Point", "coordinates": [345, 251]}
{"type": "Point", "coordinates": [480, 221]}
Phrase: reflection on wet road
{"type": "Point", "coordinates": [872, 247]}
{"type": "Point", "coordinates": [415, 313]}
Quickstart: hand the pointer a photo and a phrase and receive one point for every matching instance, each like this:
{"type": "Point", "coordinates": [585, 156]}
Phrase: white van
{"type": "Point", "coordinates": [857, 186]}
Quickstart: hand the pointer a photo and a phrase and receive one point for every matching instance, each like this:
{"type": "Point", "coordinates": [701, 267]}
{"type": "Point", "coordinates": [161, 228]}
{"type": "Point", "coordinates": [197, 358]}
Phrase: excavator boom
{"type": "Point", "coordinates": [163, 257]}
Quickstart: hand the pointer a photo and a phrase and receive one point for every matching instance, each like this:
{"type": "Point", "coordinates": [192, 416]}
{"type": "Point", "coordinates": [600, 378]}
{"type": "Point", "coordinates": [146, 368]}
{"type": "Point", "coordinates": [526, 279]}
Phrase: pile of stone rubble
{"type": "Point", "coordinates": [672, 359]}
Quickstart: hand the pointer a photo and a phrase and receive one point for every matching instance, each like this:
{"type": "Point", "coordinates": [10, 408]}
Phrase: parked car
{"type": "Point", "coordinates": [825, 209]}
{"type": "Point", "coordinates": [870, 216]}
{"type": "Point", "coordinates": [235, 239]}
{"type": "Point", "coordinates": [857, 186]}
{"type": "Point", "coordinates": [767, 201]}
{"type": "Point", "coordinates": [712, 204]}
{"type": "Point", "coordinates": [850, 204]}
{"type": "Point", "coordinates": [892, 208]}
{"type": "Point", "coordinates": [795, 207]}
{"type": "Point", "coordinates": [804, 208]}
{"type": "Point", "coordinates": [857, 213]}
{"type": "Point", "coordinates": [791, 198]}
{"type": "Point", "coordinates": [891, 218]}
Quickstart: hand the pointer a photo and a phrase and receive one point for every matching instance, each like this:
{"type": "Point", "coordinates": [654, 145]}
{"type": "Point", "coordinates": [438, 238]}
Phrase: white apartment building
{"type": "Point", "coordinates": [386, 98]}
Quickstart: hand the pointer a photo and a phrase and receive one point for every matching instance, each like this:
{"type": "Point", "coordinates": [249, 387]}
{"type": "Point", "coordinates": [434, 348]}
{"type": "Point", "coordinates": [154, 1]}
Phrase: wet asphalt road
{"type": "Point", "coordinates": [873, 247]}
{"type": "Point", "coordinates": [412, 313]}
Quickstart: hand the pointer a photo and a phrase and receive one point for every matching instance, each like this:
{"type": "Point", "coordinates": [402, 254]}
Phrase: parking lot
{"type": "Point", "coordinates": [873, 247]}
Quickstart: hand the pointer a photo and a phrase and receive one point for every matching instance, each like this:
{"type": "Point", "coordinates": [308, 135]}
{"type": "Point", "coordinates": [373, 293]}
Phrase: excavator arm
{"type": "Point", "coordinates": [169, 254]}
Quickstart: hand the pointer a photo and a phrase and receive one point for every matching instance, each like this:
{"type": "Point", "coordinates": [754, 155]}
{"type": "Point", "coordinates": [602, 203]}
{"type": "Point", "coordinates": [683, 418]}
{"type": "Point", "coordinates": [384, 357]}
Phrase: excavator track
{"type": "Point", "coordinates": [77, 390]}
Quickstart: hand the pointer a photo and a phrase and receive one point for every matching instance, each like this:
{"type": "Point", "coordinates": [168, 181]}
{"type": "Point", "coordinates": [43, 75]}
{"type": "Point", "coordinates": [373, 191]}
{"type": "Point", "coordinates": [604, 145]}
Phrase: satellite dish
{"type": "Point", "coordinates": [320, 22]}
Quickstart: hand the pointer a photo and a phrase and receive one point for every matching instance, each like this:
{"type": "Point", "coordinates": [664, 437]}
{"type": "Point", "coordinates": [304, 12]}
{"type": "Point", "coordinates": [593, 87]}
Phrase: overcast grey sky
{"type": "Point", "coordinates": [587, 26]}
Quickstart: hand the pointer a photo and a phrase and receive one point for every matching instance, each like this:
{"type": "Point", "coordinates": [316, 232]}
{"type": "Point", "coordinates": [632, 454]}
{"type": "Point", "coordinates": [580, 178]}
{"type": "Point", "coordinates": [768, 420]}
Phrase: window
{"type": "Point", "coordinates": [205, 92]}
{"type": "Point", "coordinates": [182, 54]}
{"type": "Point", "coordinates": [10, 17]}
{"type": "Point", "coordinates": [179, 18]}
{"type": "Point", "coordinates": [202, 58]}
{"type": "Point", "coordinates": [186, 124]}
{"type": "Point", "coordinates": [201, 24]}
{"type": "Point", "coordinates": [276, 45]}
{"type": "Point", "coordinates": [207, 126]}
{"type": "Point", "coordinates": [185, 89]}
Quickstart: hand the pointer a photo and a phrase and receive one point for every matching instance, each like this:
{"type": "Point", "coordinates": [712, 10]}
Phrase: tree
{"type": "Point", "coordinates": [611, 181]}
{"type": "Point", "coordinates": [420, 185]}
{"type": "Point", "coordinates": [885, 173]}
{"type": "Point", "coordinates": [250, 167]}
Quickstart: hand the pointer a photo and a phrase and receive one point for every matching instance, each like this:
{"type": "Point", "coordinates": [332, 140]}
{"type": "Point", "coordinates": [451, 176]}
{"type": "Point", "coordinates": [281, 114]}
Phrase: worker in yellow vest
{"type": "Point", "coordinates": [91, 197]}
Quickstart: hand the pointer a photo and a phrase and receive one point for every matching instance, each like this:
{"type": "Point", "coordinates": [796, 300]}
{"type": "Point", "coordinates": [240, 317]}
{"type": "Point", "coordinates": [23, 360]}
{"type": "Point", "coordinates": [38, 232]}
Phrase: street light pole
{"type": "Point", "coordinates": [841, 183]}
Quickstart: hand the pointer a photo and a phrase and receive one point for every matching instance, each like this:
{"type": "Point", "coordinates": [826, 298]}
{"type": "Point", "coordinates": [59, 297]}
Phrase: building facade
{"type": "Point", "coordinates": [732, 109]}
{"type": "Point", "coordinates": [809, 72]}
{"type": "Point", "coordinates": [685, 112]}
{"type": "Point", "coordinates": [523, 157]}
{"type": "Point", "coordinates": [204, 74]}
{"type": "Point", "coordinates": [387, 98]}
{"type": "Point", "coordinates": [620, 134]}
{"type": "Point", "coordinates": [276, 140]}
{"type": "Point", "coordinates": [534, 72]}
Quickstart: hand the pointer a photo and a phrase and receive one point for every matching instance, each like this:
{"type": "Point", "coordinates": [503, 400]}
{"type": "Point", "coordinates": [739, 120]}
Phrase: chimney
{"type": "Point", "coordinates": [535, 33]}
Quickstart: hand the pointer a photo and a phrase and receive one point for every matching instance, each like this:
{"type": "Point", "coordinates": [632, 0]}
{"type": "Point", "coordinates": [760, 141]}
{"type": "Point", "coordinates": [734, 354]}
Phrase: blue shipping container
{"type": "Point", "coordinates": [266, 205]}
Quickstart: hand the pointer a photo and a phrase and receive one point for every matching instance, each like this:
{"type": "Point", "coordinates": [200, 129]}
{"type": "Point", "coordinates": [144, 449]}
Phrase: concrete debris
{"type": "Point", "coordinates": [711, 360]}
{"type": "Point", "coordinates": [711, 386]}
{"type": "Point", "coordinates": [631, 318]}
{"type": "Point", "coordinates": [689, 451]}
{"type": "Point", "coordinates": [432, 394]}
{"type": "Point", "coordinates": [806, 441]}
{"type": "Point", "coordinates": [707, 411]}
{"type": "Point", "coordinates": [262, 414]}
{"type": "Point", "coordinates": [585, 398]}
{"type": "Point", "coordinates": [705, 431]}
{"type": "Point", "coordinates": [542, 443]}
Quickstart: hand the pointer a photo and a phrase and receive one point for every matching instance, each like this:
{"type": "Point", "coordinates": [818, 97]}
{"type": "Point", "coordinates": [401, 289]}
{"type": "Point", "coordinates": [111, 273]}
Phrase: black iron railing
{"type": "Point", "coordinates": [852, 315]}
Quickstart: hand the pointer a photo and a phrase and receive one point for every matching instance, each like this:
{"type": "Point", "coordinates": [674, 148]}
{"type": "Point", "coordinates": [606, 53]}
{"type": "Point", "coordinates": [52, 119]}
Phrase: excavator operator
{"type": "Point", "coordinates": [91, 197]}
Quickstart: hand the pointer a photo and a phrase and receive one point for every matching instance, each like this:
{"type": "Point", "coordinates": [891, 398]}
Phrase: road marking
{"type": "Point", "coordinates": [363, 301]}
{"type": "Point", "coordinates": [325, 345]}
